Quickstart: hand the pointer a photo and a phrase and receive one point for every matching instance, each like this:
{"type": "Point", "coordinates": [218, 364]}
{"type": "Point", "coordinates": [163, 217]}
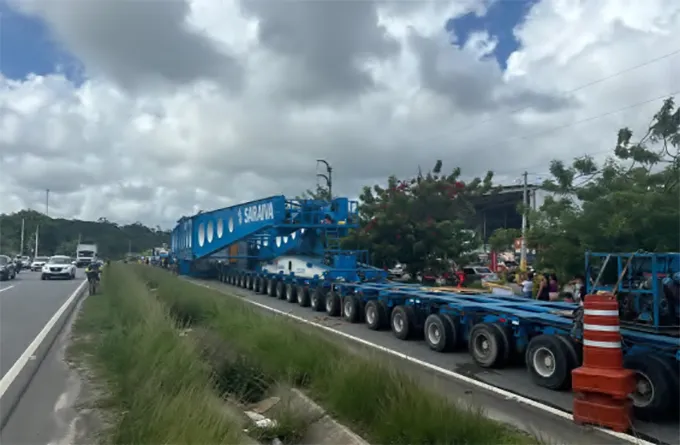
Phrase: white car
{"type": "Point", "coordinates": [58, 266]}
{"type": "Point", "coordinates": [38, 263]}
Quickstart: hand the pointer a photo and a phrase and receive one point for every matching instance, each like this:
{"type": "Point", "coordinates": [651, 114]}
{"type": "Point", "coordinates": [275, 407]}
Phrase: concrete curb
{"type": "Point", "coordinates": [15, 382]}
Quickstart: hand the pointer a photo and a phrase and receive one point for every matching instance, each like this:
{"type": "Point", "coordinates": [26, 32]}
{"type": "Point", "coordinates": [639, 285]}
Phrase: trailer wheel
{"type": "Point", "coordinates": [375, 315]}
{"type": "Point", "coordinates": [332, 304]}
{"type": "Point", "coordinates": [486, 345]}
{"type": "Point", "coordinates": [303, 296]}
{"type": "Point", "coordinates": [291, 293]}
{"type": "Point", "coordinates": [507, 338]}
{"type": "Point", "coordinates": [232, 279]}
{"type": "Point", "coordinates": [351, 309]}
{"type": "Point", "coordinates": [401, 322]}
{"type": "Point", "coordinates": [281, 290]}
{"type": "Point", "coordinates": [656, 389]}
{"type": "Point", "coordinates": [271, 287]}
{"type": "Point", "coordinates": [263, 285]}
{"type": "Point", "coordinates": [455, 330]}
{"type": "Point", "coordinates": [318, 299]}
{"type": "Point", "coordinates": [574, 352]}
{"type": "Point", "coordinates": [549, 362]}
{"type": "Point", "coordinates": [437, 332]}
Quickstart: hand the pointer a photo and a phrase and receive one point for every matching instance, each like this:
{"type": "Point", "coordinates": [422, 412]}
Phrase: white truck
{"type": "Point", "coordinates": [85, 253]}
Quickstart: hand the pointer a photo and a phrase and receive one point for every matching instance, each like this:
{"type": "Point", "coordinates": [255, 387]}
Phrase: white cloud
{"type": "Point", "coordinates": [197, 105]}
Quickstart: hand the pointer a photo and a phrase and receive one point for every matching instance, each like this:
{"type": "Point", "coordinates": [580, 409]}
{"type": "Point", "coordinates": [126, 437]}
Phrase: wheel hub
{"type": "Point", "coordinates": [434, 334]}
{"type": "Point", "coordinates": [544, 362]}
{"type": "Point", "coordinates": [644, 390]}
{"type": "Point", "coordinates": [398, 323]}
{"type": "Point", "coordinates": [370, 315]}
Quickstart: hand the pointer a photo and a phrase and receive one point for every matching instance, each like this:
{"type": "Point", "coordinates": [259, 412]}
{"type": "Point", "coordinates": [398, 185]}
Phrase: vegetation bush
{"type": "Point", "coordinates": [380, 403]}
{"type": "Point", "coordinates": [156, 383]}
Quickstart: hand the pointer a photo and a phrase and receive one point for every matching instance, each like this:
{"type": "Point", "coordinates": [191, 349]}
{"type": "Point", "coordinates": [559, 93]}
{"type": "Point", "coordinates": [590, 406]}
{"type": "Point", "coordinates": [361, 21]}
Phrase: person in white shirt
{"type": "Point", "coordinates": [528, 286]}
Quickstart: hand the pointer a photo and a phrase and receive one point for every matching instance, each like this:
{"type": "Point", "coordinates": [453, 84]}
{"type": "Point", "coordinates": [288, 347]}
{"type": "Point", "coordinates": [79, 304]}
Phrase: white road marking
{"type": "Point", "coordinates": [25, 357]}
{"type": "Point", "coordinates": [6, 288]}
{"type": "Point", "coordinates": [470, 381]}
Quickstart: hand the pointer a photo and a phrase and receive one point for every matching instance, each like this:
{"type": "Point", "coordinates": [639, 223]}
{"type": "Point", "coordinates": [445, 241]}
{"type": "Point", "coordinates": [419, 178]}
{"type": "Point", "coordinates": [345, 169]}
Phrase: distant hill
{"type": "Point", "coordinates": [60, 236]}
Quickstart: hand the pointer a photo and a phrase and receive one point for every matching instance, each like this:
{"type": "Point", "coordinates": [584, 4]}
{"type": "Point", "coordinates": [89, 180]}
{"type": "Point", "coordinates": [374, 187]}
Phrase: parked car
{"type": "Point", "coordinates": [38, 263]}
{"type": "Point", "coordinates": [7, 268]}
{"type": "Point", "coordinates": [479, 273]}
{"type": "Point", "coordinates": [59, 266]}
{"type": "Point", "coordinates": [397, 272]}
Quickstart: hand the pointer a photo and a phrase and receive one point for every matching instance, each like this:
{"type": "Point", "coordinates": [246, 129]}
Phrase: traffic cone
{"type": "Point", "coordinates": [601, 385]}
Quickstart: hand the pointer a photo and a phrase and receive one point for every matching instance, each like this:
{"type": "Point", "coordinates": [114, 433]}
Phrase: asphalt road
{"type": "Point", "coordinates": [515, 380]}
{"type": "Point", "coordinates": [26, 305]}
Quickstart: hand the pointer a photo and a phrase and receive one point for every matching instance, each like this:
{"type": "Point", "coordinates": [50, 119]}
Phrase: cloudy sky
{"type": "Point", "coordinates": [150, 109]}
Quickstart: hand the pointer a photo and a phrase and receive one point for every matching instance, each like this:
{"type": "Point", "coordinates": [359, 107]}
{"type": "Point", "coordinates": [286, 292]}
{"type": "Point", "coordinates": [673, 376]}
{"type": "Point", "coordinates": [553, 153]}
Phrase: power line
{"type": "Point", "coordinates": [577, 122]}
{"type": "Point", "coordinates": [573, 90]}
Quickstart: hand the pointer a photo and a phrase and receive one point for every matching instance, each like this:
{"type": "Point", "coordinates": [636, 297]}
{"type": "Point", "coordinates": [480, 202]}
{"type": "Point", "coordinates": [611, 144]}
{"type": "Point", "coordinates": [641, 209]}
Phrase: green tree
{"type": "Point", "coordinates": [502, 240]}
{"type": "Point", "coordinates": [419, 221]}
{"type": "Point", "coordinates": [60, 236]}
{"type": "Point", "coordinates": [629, 203]}
{"type": "Point", "coordinates": [320, 193]}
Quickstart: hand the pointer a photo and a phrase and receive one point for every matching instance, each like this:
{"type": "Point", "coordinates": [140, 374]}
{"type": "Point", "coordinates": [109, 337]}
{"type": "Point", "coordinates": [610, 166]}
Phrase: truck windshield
{"type": "Point", "coordinates": [86, 253]}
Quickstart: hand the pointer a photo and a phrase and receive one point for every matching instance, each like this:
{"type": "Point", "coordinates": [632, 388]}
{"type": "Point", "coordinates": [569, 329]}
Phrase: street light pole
{"type": "Point", "coordinates": [525, 207]}
{"type": "Point", "coordinates": [328, 177]}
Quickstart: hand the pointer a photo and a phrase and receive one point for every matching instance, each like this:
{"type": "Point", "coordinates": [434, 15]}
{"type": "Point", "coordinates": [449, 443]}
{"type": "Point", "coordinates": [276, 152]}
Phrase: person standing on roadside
{"type": "Point", "coordinates": [553, 287]}
{"type": "Point", "coordinates": [543, 293]}
{"type": "Point", "coordinates": [528, 285]}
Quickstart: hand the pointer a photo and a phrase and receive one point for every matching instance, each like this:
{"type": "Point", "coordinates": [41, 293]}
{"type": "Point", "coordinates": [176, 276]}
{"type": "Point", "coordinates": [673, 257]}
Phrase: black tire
{"type": "Point", "coordinates": [351, 309]}
{"type": "Point", "coordinates": [332, 304]}
{"type": "Point", "coordinates": [574, 352]}
{"type": "Point", "coordinates": [303, 296]}
{"type": "Point", "coordinates": [455, 330]}
{"type": "Point", "coordinates": [486, 345]}
{"type": "Point", "coordinates": [508, 343]}
{"type": "Point", "coordinates": [438, 333]}
{"type": "Point", "coordinates": [251, 282]}
{"type": "Point", "coordinates": [291, 293]}
{"type": "Point", "coordinates": [281, 290]}
{"type": "Point", "coordinates": [549, 362]}
{"type": "Point", "coordinates": [257, 285]}
{"type": "Point", "coordinates": [263, 285]}
{"type": "Point", "coordinates": [271, 287]}
{"type": "Point", "coordinates": [318, 299]}
{"type": "Point", "coordinates": [375, 315]}
{"type": "Point", "coordinates": [661, 378]}
{"type": "Point", "coordinates": [401, 322]}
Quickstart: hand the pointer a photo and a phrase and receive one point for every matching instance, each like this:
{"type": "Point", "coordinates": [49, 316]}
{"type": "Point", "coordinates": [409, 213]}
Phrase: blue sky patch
{"type": "Point", "coordinates": [500, 19]}
{"type": "Point", "coordinates": [26, 47]}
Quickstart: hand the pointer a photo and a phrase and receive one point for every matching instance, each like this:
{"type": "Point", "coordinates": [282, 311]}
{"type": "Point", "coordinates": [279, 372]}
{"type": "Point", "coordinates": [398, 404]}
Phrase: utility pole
{"type": "Point", "coordinates": [47, 202]}
{"type": "Point", "coordinates": [328, 177]}
{"type": "Point", "coordinates": [23, 225]}
{"type": "Point", "coordinates": [525, 207]}
{"type": "Point", "coordinates": [37, 235]}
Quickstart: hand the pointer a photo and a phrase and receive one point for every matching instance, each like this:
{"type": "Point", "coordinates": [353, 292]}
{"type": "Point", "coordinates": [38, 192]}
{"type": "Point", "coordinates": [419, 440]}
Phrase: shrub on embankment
{"type": "Point", "coordinates": [383, 405]}
{"type": "Point", "coordinates": [158, 389]}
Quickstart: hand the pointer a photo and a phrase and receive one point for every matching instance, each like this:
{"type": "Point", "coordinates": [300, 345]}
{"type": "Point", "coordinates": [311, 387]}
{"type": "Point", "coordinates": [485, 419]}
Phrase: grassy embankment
{"type": "Point", "coordinates": [156, 390]}
{"type": "Point", "coordinates": [382, 405]}
{"type": "Point", "coordinates": [161, 388]}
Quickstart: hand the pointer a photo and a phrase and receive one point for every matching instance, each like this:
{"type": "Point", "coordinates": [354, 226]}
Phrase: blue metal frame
{"type": "Point", "coordinates": [646, 303]}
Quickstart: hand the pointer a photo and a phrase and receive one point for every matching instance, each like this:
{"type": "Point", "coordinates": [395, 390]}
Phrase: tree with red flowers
{"type": "Point", "coordinates": [421, 221]}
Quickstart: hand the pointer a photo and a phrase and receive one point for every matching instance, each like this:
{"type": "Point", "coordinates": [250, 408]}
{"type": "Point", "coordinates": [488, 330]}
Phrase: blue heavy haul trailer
{"type": "Point", "coordinates": [290, 249]}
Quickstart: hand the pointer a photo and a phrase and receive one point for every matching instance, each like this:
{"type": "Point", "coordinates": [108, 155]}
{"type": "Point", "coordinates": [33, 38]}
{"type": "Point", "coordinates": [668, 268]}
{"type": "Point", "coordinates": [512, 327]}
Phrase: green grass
{"type": "Point", "coordinates": [383, 405]}
{"type": "Point", "coordinates": [157, 387]}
